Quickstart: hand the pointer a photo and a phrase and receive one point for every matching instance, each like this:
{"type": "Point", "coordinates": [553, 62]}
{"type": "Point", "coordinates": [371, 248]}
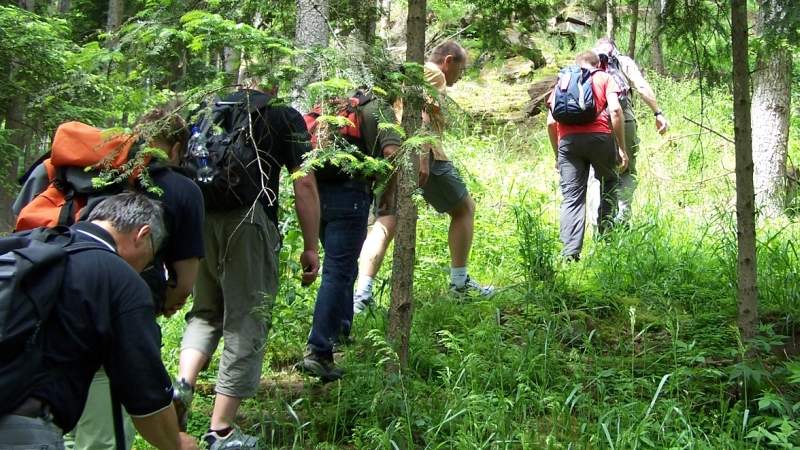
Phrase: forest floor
{"type": "Point", "coordinates": [633, 347]}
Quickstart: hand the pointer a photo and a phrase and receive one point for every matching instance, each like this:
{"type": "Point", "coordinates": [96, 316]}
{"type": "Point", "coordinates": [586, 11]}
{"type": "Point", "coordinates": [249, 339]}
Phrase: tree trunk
{"type": "Point", "coordinates": [747, 292]}
{"type": "Point", "coordinates": [655, 48]}
{"type": "Point", "coordinates": [116, 10]}
{"type": "Point", "coordinates": [401, 307]}
{"type": "Point", "coordinates": [385, 22]}
{"type": "Point", "coordinates": [232, 63]}
{"type": "Point", "coordinates": [366, 15]}
{"type": "Point", "coordinates": [610, 19]}
{"type": "Point", "coordinates": [28, 5]}
{"type": "Point", "coordinates": [634, 28]}
{"type": "Point", "coordinates": [771, 109]}
{"type": "Point", "coordinates": [311, 31]}
{"type": "Point", "coordinates": [63, 6]}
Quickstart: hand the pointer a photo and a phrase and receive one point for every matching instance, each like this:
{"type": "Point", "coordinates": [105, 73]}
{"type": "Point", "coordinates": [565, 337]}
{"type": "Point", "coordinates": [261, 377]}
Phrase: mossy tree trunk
{"type": "Point", "coordinates": [402, 301]}
{"type": "Point", "coordinates": [311, 32]}
{"type": "Point", "coordinates": [747, 292]}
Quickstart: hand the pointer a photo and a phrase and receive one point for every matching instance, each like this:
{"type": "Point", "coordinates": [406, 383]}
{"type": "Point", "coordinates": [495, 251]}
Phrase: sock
{"type": "Point", "coordinates": [223, 433]}
{"type": "Point", "coordinates": [364, 285]}
{"type": "Point", "coordinates": [458, 276]}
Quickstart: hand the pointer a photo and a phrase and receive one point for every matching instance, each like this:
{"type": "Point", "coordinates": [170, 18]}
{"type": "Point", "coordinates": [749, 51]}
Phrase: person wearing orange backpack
{"type": "Point", "coordinates": [345, 199]}
{"type": "Point", "coordinates": [76, 146]}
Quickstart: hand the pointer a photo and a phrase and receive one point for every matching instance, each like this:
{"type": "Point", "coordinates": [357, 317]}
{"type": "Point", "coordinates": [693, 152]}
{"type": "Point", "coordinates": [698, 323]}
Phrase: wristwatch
{"type": "Point", "coordinates": [658, 113]}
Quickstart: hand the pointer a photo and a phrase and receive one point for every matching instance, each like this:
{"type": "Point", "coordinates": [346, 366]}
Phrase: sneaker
{"type": "Point", "coordinates": [182, 395]}
{"type": "Point", "coordinates": [472, 289]}
{"type": "Point", "coordinates": [235, 440]}
{"type": "Point", "coordinates": [320, 367]}
{"type": "Point", "coordinates": [361, 302]}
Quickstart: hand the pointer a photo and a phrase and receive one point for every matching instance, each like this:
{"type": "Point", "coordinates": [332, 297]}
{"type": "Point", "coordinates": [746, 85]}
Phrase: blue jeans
{"type": "Point", "coordinates": [343, 228]}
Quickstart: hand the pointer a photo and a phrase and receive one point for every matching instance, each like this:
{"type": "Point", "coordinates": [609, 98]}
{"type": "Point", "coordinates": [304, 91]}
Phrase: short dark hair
{"type": "Point", "coordinates": [448, 48]}
{"type": "Point", "coordinates": [588, 57]}
{"type": "Point", "coordinates": [165, 124]}
{"type": "Point", "coordinates": [130, 211]}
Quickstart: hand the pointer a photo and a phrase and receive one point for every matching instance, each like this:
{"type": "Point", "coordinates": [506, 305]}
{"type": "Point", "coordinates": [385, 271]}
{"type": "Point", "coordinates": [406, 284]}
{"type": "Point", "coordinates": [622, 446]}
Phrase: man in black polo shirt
{"type": "Point", "coordinates": [105, 318]}
{"type": "Point", "coordinates": [178, 257]}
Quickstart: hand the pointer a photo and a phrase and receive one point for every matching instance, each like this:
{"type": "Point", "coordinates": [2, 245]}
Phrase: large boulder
{"type": "Point", "coordinates": [522, 44]}
{"type": "Point", "coordinates": [539, 92]}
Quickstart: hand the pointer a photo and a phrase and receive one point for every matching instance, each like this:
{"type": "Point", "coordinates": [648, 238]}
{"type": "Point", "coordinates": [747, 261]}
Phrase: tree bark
{"type": "Point", "coordinates": [655, 48]}
{"type": "Point", "coordinates": [116, 10]}
{"type": "Point", "coordinates": [402, 300]}
{"type": "Point", "coordinates": [311, 31]}
{"type": "Point", "coordinates": [385, 22]}
{"type": "Point", "coordinates": [771, 109]}
{"type": "Point", "coordinates": [28, 5]}
{"type": "Point", "coordinates": [610, 19]}
{"type": "Point", "coordinates": [634, 28]}
{"type": "Point", "coordinates": [747, 292]}
{"type": "Point", "coordinates": [63, 6]}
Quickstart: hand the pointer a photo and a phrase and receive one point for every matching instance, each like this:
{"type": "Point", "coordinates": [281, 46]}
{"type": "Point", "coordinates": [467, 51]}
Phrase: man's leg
{"type": "Point", "coordinates": [447, 193]}
{"type": "Point", "coordinates": [628, 180]}
{"type": "Point", "coordinates": [249, 280]}
{"type": "Point", "coordinates": [344, 219]}
{"type": "Point", "coordinates": [603, 158]}
{"type": "Point", "coordinates": [372, 254]}
{"type": "Point", "coordinates": [574, 172]}
{"type": "Point", "coordinates": [95, 429]}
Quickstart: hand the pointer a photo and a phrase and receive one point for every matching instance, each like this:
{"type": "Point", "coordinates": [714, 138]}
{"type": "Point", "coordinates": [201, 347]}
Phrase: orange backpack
{"type": "Point", "coordinates": [78, 153]}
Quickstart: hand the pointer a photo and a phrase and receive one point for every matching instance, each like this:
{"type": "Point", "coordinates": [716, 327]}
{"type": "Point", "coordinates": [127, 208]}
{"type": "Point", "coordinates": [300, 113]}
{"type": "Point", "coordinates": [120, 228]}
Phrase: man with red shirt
{"type": "Point", "coordinates": [577, 147]}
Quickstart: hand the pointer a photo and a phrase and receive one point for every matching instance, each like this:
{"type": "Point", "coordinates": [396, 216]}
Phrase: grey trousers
{"type": "Point", "coordinates": [576, 153]}
{"type": "Point", "coordinates": [26, 433]}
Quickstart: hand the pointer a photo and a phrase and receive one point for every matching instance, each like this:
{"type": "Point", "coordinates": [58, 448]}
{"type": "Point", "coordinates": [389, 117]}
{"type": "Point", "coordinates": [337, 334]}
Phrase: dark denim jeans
{"type": "Point", "coordinates": [343, 228]}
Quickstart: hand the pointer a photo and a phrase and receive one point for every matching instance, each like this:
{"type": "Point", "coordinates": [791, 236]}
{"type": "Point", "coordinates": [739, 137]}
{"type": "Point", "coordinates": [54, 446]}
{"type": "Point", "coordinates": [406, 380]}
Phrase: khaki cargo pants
{"type": "Point", "coordinates": [236, 287]}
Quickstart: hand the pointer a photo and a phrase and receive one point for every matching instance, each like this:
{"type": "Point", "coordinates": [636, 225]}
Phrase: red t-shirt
{"type": "Point", "coordinates": [602, 84]}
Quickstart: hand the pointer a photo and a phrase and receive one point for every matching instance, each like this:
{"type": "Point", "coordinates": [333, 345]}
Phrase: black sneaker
{"type": "Point", "coordinates": [320, 366]}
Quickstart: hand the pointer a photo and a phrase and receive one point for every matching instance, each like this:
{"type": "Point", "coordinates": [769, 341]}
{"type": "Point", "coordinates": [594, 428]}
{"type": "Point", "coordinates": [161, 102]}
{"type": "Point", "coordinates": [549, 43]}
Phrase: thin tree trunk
{"type": "Point", "coordinates": [232, 63]}
{"type": "Point", "coordinates": [116, 10]}
{"type": "Point", "coordinates": [385, 22]}
{"type": "Point", "coordinates": [655, 48]}
{"type": "Point", "coordinates": [402, 304]}
{"type": "Point", "coordinates": [747, 292]}
{"type": "Point", "coordinates": [634, 28]}
{"type": "Point", "coordinates": [63, 6]}
{"type": "Point", "coordinates": [28, 5]}
{"type": "Point", "coordinates": [771, 109]}
{"type": "Point", "coordinates": [311, 31]}
{"type": "Point", "coordinates": [610, 19]}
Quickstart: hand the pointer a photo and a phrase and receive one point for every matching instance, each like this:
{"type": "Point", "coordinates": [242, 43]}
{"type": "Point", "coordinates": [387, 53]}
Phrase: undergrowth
{"type": "Point", "coordinates": [635, 346]}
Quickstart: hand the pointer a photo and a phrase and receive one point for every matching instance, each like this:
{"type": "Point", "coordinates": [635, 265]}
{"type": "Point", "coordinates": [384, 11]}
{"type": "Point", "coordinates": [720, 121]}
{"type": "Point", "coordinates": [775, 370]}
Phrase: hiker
{"type": "Point", "coordinates": [628, 77]}
{"type": "Point", "coordinates": [442, 187]}
{"type": "Point", "coordinates": [178, 258]}
{"type": "Point", "coordinates": [345, 199]}
{"type": "Point", "coordinates": [102, 317]}
{"type": "Point", "coordinates": [238, 279]}
{"type": "Point", "coordinates": [582, 137]}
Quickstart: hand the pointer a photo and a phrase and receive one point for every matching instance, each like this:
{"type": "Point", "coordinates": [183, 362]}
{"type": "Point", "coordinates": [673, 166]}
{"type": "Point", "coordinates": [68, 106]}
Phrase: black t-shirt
{"type": "Point", "coordinates": [282, 139]}
{"type": "Point", "coordinates": [183, 205]}
{"type": "Point", "coordinates": [104, 318]}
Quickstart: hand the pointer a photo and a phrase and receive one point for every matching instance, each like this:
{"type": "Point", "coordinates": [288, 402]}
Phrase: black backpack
{"type": "Point", "coordinates": [32, 267]}
{"type": "Point", "coordinates": [222, 156]}
{"type": "Point", "coordinates": [573, 99]}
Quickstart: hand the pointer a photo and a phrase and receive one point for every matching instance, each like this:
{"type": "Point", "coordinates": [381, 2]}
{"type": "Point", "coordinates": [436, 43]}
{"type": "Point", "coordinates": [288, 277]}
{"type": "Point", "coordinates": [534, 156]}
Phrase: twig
{"type": "Point", "coordinates": [710, 130]}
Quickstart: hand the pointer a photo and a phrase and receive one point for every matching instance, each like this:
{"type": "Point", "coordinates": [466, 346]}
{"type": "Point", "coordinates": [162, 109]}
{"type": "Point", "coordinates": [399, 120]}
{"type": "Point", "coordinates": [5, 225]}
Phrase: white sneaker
{"type": "Point", "coordinates": [471, 288]}
{"type": "Point", "coordinates": [362, 302]}
{"type": "Point", "coordinates": [236, 440]}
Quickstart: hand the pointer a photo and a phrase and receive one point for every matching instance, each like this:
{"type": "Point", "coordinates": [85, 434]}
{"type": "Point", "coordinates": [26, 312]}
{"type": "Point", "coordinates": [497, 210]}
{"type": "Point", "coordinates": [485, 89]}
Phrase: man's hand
{"type": "Point", "coordinates": [661, 124]}
{"type": "Point", "coordinates": [171, 307]}
{"type": "Point", "coordinates": [309, 261]}
{"type": "Point", "coordinates": [424, 168]}
{"type": "Point", "coordinates": [188, 442]}
{"type": "Point", "coordinates": [623, 159]}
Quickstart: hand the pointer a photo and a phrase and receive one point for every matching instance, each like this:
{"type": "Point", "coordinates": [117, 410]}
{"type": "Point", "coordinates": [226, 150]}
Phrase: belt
{"type": "Point", "coordinates": [356, 185]}
{"type": "Point", "coordinates": [33, 408]}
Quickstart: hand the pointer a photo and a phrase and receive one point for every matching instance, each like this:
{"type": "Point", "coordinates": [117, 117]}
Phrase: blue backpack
{"type": "Point", "coordinates": [573, 101]}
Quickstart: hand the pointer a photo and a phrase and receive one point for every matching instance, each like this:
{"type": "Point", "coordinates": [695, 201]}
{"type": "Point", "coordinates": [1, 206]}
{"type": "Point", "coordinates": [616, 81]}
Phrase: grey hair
{"type": "Point", "coordinates": [448, 48]}
{"type": "Point", "coordinates": [130, 211]}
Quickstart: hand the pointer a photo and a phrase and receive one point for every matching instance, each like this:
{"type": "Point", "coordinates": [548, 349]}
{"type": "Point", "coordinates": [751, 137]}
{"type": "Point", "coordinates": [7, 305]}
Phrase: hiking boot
{"type": "Point", "coordinates": [320, 366]}
{"type": "Point", "coordinates": [472, 289]}
{"type": "Point", "coordinates": [361, 302]}
{"type": "Point", "coordinates": [182, 395]}
{"type": "Point", "coordinates": [235, 440]}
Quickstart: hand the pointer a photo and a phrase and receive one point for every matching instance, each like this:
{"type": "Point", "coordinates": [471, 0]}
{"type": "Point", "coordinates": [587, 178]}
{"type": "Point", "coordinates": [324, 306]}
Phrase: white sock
{"type": "Point", "coordinates": [364, 285]}
{"type": "Point", "coordinates": [458, 276]}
